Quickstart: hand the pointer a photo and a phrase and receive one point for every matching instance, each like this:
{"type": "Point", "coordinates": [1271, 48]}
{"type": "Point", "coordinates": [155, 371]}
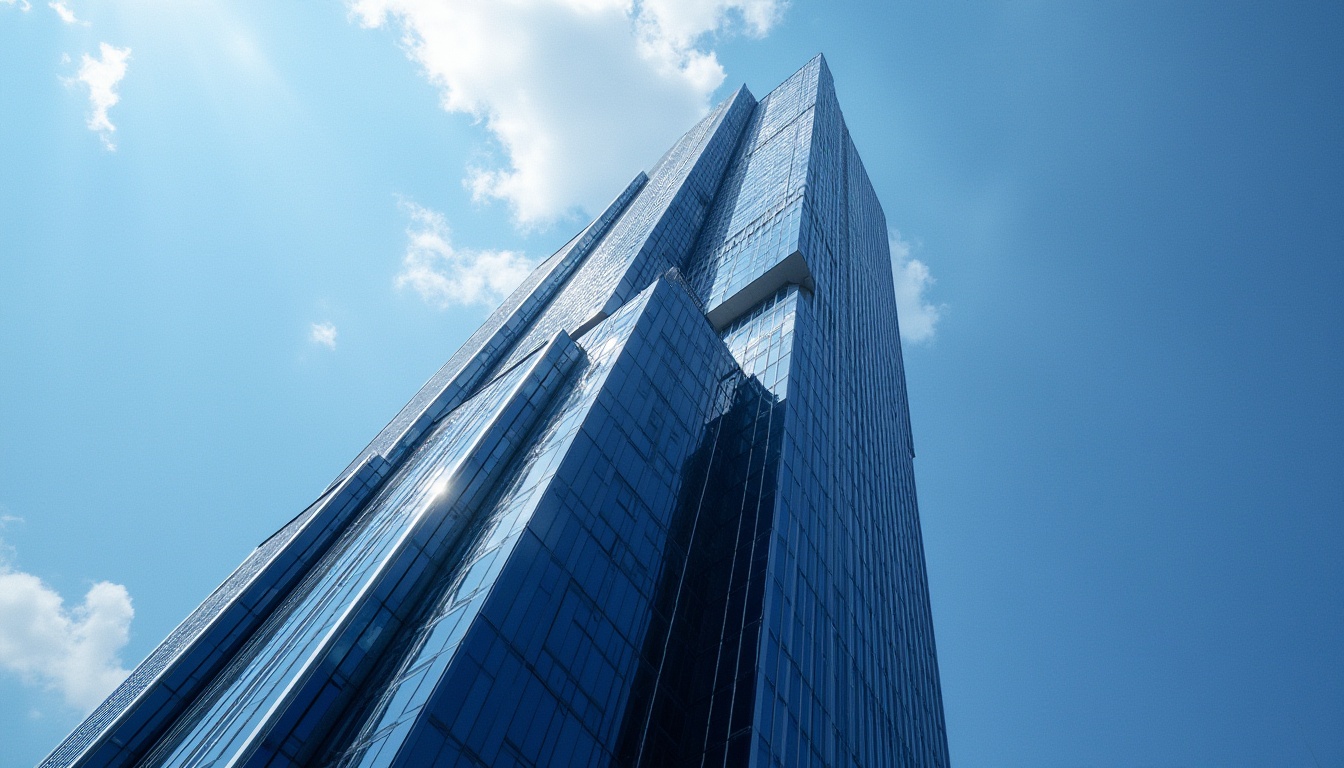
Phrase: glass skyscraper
{"type": "Point", "coordinates": [658, 511]}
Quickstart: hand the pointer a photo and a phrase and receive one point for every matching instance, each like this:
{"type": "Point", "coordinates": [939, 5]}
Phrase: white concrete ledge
{"type": "Point", "coordinates": [793, 270]}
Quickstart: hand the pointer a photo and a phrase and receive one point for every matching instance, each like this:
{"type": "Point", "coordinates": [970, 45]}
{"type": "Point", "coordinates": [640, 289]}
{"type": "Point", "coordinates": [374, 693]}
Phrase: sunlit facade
{"type": "Point", "coordinates": [658, 511]}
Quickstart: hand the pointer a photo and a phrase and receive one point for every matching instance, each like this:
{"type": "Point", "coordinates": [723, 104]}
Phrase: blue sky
{"type": "Point", "coordinates": [238, 236]}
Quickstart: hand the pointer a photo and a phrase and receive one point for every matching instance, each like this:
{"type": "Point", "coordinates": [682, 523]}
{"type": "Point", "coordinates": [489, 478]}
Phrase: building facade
{"type": "Point", "coordinates": [658, 511]}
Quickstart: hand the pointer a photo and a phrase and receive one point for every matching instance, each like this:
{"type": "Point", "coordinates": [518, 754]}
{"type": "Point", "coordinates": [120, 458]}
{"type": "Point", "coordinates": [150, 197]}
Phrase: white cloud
{"type": "Point", "coordinates": [579, 94]}
{"type": "Point", "coordinates": [24, 5]}
{"type": "Point", "coordinates": [918, 317]}
{"type": "Point", "coordinates": [324, 334]}
{"type": "Point", "coordinates": [74, 652]}
{"type": "Point", "coordinates": [445, 276]}
{"type": "Point", "coordinates": [671, 29]}
{"type": "Point", "coordinates": [63, 10]}
{"type": "Point", "coordinates": [102, 76]}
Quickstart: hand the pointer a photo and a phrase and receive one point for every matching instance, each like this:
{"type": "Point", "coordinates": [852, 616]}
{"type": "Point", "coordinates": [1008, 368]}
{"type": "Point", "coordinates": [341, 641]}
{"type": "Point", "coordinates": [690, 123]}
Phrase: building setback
{"type": "Point", "coordinates": [659, 510]}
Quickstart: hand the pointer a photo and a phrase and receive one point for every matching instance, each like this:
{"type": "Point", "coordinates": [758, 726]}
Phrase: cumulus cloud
{"type": "Point", "coordinates": [63, 10]}
{"type": "Point", "coordinates": [670, 30]}
{"type": "Point", "coordinates": [324, 334]}
{"type": "Point", "coordinates": [578, 94]}
{"type": "Point", "coordinates": [918, 317]}
{"type": "Point", "coordinates": [73, 651]}
{"type": "Point", "coordinates": [445, 275]}
{"type": "Point", "coordinates": [102, 76]}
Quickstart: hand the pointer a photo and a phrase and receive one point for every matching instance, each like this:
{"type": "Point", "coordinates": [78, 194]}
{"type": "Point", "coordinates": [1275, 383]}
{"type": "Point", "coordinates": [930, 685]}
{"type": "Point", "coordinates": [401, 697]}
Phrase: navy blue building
{"type": "Point", "coordinates": [658, 511]}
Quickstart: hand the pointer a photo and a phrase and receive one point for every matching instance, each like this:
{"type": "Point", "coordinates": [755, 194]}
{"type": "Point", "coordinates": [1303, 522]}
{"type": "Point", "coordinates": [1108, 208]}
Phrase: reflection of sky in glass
{"type": "Point", "coordinates": [248, 688]}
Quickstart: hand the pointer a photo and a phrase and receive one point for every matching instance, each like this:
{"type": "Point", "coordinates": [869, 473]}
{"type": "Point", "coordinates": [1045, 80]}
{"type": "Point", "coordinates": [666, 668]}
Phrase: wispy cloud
{"type": "Point", "coordinates": [444, 275]}
{"type": "Point", "coordinates": [918, 317]}
{"type": "Point", "coordinates": [323, 334]}
{"type": "Point", "coordinates": [102, 76]}
{"type": "Point", "coordinates": [63, 10]}
{"type": "Point", "coordinates": [579, 94]}
{"type": "Point", "coordinates": [23, 5]}
{"type": "Point", "coordinates": [73, 651]}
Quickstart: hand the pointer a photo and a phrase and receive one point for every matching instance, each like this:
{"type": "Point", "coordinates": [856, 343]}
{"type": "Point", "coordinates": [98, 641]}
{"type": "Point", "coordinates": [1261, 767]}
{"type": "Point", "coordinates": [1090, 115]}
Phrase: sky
{"type": "Point", "coordinates": [236, 237]}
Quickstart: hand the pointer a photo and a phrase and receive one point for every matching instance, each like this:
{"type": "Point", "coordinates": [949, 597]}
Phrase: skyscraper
{"type": "Point", "coordinates": [658, 511]}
